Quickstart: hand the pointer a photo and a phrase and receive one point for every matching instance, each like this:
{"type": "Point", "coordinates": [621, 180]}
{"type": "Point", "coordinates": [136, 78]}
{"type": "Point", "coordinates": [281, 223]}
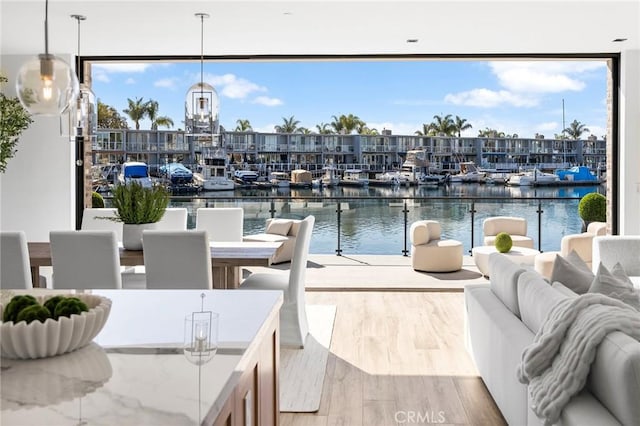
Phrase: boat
{"type": "Point", "coordinates": [578, 175]}
{"type": "Point", "coordinates": [414, 165]}
{"type": "Point", "coordinates": [177, 173]}
{"type": "Point", "coordinates": [532, 178]}
{"type": "Point", "coordinates": [245, 176]}
{"type": "Point", "coordinates": [216, 175]}
{"type": "Point", "coordinates": [427, 179]}
{"type": "Point", "coordinates": [135, 171]}
{"type": "Point", "coordinates": [386, 179]}
{"type": "Point", "coordinates": [280, 180]}
{"type": "Point", "coordinates": [301, 178]}
{"type": "Point", "coordinates": [468, 173]}
{"type": "Point", "coordinates": [330, 177]}
{"type": "Point", "coordinates": [354, 177]}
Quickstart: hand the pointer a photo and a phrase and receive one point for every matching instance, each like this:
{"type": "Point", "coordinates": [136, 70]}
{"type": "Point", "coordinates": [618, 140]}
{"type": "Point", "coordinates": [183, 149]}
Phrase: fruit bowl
{"type": "Point", "coordinates": [54, 337]}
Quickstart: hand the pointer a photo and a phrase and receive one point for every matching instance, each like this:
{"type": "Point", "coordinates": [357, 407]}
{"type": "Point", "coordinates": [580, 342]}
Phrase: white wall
{"type": "Point", "coordinates": [37, 192]}
{"type": "Point", "coordinates": [630, 142]}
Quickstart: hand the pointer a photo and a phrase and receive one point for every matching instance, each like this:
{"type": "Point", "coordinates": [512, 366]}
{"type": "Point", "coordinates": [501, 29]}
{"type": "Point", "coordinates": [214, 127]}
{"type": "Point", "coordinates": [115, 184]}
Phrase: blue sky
{"type": "Point", "coordinates": [513, 97]}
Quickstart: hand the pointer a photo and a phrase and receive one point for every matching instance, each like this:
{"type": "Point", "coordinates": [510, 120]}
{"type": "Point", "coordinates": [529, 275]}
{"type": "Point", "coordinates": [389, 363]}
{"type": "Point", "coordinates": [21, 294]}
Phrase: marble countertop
{"type": "Point", "coordinates": [112, 381]}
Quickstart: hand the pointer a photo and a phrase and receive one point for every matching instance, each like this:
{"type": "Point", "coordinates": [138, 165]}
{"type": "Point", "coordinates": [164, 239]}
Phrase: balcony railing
{"type": "Point", "coordinates": [380, 225]}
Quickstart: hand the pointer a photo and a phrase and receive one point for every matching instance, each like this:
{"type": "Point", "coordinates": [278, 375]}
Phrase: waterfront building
{"type": "Point", "coordinates": [286, 152]}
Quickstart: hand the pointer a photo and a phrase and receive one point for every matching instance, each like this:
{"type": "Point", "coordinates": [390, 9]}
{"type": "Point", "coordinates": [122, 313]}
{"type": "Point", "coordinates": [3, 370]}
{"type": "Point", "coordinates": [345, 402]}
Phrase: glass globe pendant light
{"type": "Point", "coordinates": [46, 85]}
{"type": "Point", "coordinates": [201, 103]}
{"type": "Point", "coordinates": [84, 110]}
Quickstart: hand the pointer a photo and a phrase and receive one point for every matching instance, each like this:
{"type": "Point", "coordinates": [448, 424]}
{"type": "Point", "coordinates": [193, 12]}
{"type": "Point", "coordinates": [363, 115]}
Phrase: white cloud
{"type": "Point", "coordinates": [268, 128]}
{"type": "Point", "coordinates": [121, 67]}
{"type": "Point", "coordinates": [130, 80]}
{"type": "Point", "coordinates": [167, 83]}
{"type": "Point", "coordinates": [543, 76]}
{"type": "Point", "coordinates": [100, 76]}
{"type": "Point", "coordinates": [233, 87]}
{"type": "Point", "coordinates": [548, 126]}
{"type": "Point", "coordinates": [487, 98]}
{"type": "Point", "coordinates": [267, 101]}
{"type": "Point", "coordinates": [400, 128]}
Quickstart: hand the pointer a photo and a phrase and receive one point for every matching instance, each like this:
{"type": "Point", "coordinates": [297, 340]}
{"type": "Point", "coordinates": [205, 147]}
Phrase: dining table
{"type": "Point", "coordinates": [227, 259]}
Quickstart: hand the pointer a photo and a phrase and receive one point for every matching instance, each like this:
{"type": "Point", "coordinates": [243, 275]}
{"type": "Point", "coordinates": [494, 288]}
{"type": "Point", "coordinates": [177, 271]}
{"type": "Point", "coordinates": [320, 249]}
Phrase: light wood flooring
{"type": "Point", "coordinates": [398, 358]}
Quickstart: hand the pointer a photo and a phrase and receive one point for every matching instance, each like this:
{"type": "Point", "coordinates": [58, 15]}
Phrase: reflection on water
{"type": "Point", "coordinates": [376, 226]}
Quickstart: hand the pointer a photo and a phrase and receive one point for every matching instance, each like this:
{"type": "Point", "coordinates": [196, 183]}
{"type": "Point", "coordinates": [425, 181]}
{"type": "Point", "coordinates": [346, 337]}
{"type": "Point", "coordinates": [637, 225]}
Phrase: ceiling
{"type": "Point", "coordinates": [303, 27]}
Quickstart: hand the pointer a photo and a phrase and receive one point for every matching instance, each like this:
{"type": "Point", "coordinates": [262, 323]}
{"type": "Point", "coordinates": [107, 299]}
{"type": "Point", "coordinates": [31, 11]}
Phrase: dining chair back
{"type": "Point", "coordinates": [177, 259]}
{"type": "Point", "coordinates": [294, 326]}
{"type": "Point", "coordinates": [15, 270]}
{"type": "Point", "coordinates": [174, 219]}
{"type": "Point", "coordinates": [85, 259]}
{"type": "Point", "coordinates": [223, 224]}
{"type": "Point", "coordinates": [96, 219]}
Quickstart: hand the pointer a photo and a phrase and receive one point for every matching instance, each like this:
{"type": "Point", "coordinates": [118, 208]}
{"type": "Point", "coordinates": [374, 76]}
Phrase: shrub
{"type": "Point", "coordinates": [137, 205]}
{"type": "Point", "coordinates": [503, 242]}
{"type": "Point", "coordinates": [593, 207]}
{"type": "Point", "coordinates": [97, 202]}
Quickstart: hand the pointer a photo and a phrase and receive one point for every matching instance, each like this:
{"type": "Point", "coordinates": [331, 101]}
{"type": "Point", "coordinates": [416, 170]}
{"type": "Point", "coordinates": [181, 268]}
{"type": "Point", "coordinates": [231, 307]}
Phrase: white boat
{"type": "Point", "coordinates": [216, 175]}
{"type": "Point", "coordinates": [355, 177]}
{"type": "Point", "coordinates": [330, 177]}
{"type": "Point", "coordinates": [468, 173]}
{"type": "Point", "coordinates": [386, 179]}
{"type": "Point", "coordinates": [246, 176]}
{"type": "Point", "coordinates": [415, 164]}
{"type": "Point", "coordinates": [280, 179]}
{"type": "Point", "coordinates": [135, 171]}
{"type": "Point", "coordinates": [533, 177]}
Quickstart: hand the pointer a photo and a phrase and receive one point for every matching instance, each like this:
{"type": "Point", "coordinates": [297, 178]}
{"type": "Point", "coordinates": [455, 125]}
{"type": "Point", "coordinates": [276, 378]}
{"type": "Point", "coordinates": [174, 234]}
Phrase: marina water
{"type": "Point", "coordinates": [373, 218]}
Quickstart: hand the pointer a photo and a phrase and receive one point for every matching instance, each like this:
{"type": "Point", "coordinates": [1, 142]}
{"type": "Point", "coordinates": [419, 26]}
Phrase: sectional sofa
{"type": "Point", "coordinates": [502, 318]}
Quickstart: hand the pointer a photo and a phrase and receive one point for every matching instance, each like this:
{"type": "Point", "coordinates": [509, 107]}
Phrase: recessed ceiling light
{"type": "Point", "coordinates": [412, 40]}
{"type": "Point", "coordinates": [287, 13]}
{"type": "Point", "coordinates": [618, 40]}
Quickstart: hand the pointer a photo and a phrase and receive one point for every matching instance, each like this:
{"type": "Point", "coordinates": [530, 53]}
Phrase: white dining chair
{"type": "Point", "coordinates": [95, 219]}
{"type": "Point", "coordinates": [15, 272]}
{"type": "Point", "coordinates": [294, 327]}
{"type": "Point", "coordinates": [177, 259]}
{"type": "Point", "coordinates": [85, 259]}
{"type": "Point", "coordinates": [174, 219]}
{"type": "Point", "coordinates": [223, 224]}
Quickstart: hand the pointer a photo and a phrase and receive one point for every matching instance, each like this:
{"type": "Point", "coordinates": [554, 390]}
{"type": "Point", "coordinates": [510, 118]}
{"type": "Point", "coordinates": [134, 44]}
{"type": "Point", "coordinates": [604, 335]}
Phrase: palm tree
{"type": "Point", "coordinates": [576, 129]}
{"type": "Point", "coordinates": [346, 124]}
{"type": "Point", "coordinates": [243, 126]}
{"type": "Point", "coordinates": [443, 125]}
{"type": "Point", "coordinates": [304, 131]}
{"type": "Point", "coordinates": [364, 130]}
{"type": "Point", "coordinates": [152, 113]}
{"type": "Point", "coordinates": [490, 133]}
{"type": "Point", "coordinates": [323, 128]}
{"type": "Point", "coordinates": [110, 118]}
{"type": "Point", "coordinates": [136, 111]}
{"type": "Point", "coordinates": [426, 129]}
{"type": "Point", "coordinates": [289, 125]}
{"type": "Point", "coordinates": [462, 125]}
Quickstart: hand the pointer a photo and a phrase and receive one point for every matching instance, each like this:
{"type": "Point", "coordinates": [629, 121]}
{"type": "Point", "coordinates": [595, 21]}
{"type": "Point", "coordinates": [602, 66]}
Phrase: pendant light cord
{"type": "Point", "coordinates": [202, 55]}
{"type": "Point", "coordinates": [46, 27]}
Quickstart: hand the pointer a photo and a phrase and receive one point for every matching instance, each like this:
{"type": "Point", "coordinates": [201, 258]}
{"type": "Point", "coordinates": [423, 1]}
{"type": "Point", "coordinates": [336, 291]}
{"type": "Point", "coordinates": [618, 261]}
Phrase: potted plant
{"type": "Point", "coordinates": [138, 209]}
{"type": "Point", "coordinates": [592, 208]}
{"type": "Point", "coordinates": [14, 119]}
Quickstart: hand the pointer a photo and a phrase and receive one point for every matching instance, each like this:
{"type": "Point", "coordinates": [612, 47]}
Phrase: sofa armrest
{"type": "Point", "coordinates": [581, 243]}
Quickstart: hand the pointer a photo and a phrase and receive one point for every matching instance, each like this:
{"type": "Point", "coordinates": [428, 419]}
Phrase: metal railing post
{"type": "Point", "coordinates": [272, 209]}
{"type": "Point", "coordinates": [405, 211]}
{"type": "Point", "coordinates": [540, 211]}
{"type": "Point", "coordinates": [338, 211]}
{"type": "Point", "coordinates": [473, 217]}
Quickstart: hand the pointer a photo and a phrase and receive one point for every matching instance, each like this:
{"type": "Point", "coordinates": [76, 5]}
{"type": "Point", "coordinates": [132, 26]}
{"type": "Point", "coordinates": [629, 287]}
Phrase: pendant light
{"type": "Point", "coordinates": [46, 85]}
{"type": "Point", "coordinates": [201, 103]}
{"type": "Point", "coordinates": [84, 111]}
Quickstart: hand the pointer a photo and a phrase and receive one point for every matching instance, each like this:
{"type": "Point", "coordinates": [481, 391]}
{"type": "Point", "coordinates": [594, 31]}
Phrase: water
{"type": "Point", "coordinates": [377, 226]}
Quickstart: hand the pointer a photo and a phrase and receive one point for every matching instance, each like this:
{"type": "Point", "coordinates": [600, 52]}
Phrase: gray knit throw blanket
{"type": "Point", "coordinates": [557, 363]}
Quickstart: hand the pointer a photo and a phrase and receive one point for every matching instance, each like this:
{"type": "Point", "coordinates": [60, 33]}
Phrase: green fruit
{"type": "Point", "coordinates": [51, 304]}
{"type": "Point", "coordinates": [33, 313]}
{"type": "Point", "coordinates": [17, 304]}
{"type": "Point", "coordinates": [503, 242]}
{"type": "Point", "coordinates": [69, 306]}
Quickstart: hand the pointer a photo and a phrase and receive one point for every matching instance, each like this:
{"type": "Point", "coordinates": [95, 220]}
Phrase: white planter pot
{"type": "Point", "coordinates": [132, 235]}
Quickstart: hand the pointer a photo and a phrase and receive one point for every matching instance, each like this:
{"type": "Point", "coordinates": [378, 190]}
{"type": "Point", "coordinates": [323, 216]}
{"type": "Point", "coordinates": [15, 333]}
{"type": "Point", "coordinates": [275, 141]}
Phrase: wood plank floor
{"type": "Point", "coordinates": [398, 358]}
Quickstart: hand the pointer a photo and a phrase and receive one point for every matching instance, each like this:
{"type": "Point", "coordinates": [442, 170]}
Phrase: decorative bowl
{"type": "Point", "coordinates": [54, 337]}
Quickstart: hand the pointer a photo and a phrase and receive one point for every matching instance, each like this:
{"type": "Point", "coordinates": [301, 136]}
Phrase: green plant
{"type": "Point", "coordinates": [52, 302]}
{"type": "Point", "coordinates": [15, 305]}
{"type": "Point", "coordinates": [14, 119]}
{"type": "Point", "coordinates": [503, 242]}
{"type": "Point", "coordinates": [97, 202]}
{"type": "Point", "coordinates": [137, 205]}
{"type": "Point", "coordinates": [69, 306]}
{"type": "Point", "coordinates": [593, 207]}
{"type": "Point", "coordinates": [33, 313]}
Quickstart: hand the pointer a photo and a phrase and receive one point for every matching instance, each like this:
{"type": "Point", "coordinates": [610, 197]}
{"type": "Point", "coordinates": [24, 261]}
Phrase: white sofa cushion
{"type": "Point", "coordinates": [573, 272]}
{"type": "Point", "coordinates": [504, 280]}
{"type": "Point", "coordinates": [535, 299]}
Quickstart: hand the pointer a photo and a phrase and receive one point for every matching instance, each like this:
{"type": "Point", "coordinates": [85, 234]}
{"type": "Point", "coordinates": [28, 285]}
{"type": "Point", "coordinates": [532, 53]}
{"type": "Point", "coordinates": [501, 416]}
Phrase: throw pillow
{"type": "Point", "coordinates": [572, 272]}
{"type": "Point", "coordinates": [616, 284]}
{"type": "Point", "coordinates": [279, 226]}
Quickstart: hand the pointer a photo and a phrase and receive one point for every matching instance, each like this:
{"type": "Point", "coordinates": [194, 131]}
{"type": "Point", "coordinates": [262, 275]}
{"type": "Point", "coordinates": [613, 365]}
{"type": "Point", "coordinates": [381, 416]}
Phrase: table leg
{"type": "Point", "coordinates": [219, 275]}
{"type": "Point", "coordinates": [35, 276]}
{"type": "Point", "coordinates": [233, 276]}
